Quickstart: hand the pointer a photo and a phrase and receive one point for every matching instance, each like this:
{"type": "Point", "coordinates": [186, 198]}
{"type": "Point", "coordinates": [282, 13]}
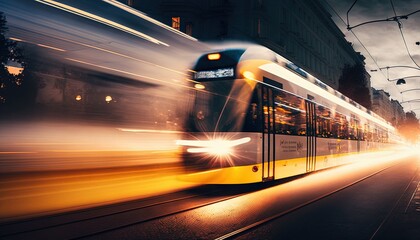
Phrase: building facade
{"type": "Point", "coordinates": [299, 30]}
{"type": "Point", "coordinates": [399, 114]}
{"type": "Point", "coordinates": [382, 105]}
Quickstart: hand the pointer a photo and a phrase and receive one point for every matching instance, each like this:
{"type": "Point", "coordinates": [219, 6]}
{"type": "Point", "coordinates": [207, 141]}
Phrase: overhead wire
{"type": "Point", "coordinates": [354, 34]}
{"type": "Point", "coordinates": [402, 33]}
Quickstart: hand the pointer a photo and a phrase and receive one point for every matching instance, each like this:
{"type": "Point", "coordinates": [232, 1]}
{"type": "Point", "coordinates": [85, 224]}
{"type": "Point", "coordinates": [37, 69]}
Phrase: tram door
{"type": "Point", "coordinates": [310, 136]}
{"type": "Point", "coordinates": [269, 138]}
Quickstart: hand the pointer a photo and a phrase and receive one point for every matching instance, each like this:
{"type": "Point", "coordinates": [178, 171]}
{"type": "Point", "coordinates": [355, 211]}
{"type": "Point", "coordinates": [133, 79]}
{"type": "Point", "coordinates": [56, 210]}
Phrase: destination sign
{"type": "Point", "coordinates": [218, 73]}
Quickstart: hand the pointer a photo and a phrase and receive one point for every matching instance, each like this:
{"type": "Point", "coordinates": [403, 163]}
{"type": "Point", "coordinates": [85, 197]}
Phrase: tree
{"type": "Point", "coordinates": [15, 91]}
{"type": "Point", "coordinates": [353, 84]}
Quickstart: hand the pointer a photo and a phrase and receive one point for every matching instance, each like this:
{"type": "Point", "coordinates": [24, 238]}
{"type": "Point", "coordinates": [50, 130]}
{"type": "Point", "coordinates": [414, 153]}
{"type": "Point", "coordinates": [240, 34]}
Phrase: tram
{"type": "Point", "coordinates": [256, 116]}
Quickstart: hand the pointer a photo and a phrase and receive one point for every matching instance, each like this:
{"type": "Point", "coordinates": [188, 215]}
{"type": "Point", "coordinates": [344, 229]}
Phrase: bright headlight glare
{"type": "Point", "coordinates": [214, 151]}
{"type": "Point", "coordinates": [214, 147]}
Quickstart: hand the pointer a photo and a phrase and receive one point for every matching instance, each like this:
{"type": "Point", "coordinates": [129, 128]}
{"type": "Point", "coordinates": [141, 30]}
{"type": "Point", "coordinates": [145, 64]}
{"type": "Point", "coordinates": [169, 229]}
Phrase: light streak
{"type": "Point", "coordinates": [50, 47]}
{"type": "Point", "coordinates": [147, 18]}
{"type": "Point", "coordinates": [102, 20]}
{"type": "Point", "coordinates": [288, 76]}
{"type": "Point", "coordinates": [215, 147]}
{"type": "Point", "coordinates": [38, 44]}
{"type": "Point", "coordinates": [122, 55]}
{"type": "Point", "coordinates": [16, 39]}
{"type": "Point", "coordinates": [121, 71]}
{"type": "Point", "coordinates": [107, 51]}
{"type": "Point", "coordinates": [146, 130]}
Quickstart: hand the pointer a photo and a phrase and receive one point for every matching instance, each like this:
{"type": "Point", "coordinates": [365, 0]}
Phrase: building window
{"type": "Point", "coordinates": [176, 23]}
{"type": "Point", "coordinates": [130, 2]}
{"type": "Point", "coordinates": [188, 28]}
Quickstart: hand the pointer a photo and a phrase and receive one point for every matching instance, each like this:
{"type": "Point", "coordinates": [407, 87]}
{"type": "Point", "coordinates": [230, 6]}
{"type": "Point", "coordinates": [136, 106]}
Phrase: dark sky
{"type": "Point", "coordinates": [385, 43]}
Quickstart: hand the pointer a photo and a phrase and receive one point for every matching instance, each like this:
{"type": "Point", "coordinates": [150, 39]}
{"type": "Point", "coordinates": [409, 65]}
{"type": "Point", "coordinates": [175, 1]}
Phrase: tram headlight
{"type": "Point", "coordinates": [217, 147]}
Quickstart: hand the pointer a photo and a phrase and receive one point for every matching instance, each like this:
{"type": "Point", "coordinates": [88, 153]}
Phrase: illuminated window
{"type": "Point", "coordinates": [176, 22]}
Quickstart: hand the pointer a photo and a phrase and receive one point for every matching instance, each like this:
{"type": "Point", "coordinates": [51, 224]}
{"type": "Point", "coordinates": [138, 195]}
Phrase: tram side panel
{"type": "Point", "coordinates": [290, 155]}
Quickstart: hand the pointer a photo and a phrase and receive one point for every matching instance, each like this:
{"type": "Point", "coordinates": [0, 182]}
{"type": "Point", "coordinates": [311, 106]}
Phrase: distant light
{"type": "Point", "coordinates": [213, 56]}
{"type": "Point", "coordinates": [108, 99]}
{"type": "Point", "coordinates": [14, 70]}
{"type": "Point", "coordinates": [16, 39]}
{"type": "Point", "coordinates": [78, 98]}
{"type": "Point", "coordinates": [199, 86]}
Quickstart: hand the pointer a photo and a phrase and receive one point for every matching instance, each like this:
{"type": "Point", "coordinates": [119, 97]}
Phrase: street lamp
{"type": "Point", "coordinates": [401, 80]}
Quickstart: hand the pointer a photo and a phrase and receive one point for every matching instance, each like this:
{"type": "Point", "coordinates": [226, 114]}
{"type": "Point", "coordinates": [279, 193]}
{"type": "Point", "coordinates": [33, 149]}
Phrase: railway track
{"type": "Point", "coordinates": [116, 216]}
{"type": "Point", "coordinates": [252, 226]}
{"type": "Point", "coordinates": [133, 220]}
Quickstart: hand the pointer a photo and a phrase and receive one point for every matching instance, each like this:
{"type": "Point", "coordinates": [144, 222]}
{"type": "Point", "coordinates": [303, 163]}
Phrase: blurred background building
{"type": "Point", "coordinates": [299, 30]}
{"type": "Point", "coordinates": [391, 110]}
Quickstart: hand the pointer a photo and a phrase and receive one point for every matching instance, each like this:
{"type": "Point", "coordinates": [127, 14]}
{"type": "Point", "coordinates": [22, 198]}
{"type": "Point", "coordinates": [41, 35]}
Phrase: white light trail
{"type": "Point", "coordinates": [277, 70]}
{"type": "Point", "coordinates": [216, 147]}
{"type": "Point", "coordinates": [122, 71]}
{"type": "Point", "coordinates": [147, 18]}
{"type": "Point", "coordinates": [102, 20]}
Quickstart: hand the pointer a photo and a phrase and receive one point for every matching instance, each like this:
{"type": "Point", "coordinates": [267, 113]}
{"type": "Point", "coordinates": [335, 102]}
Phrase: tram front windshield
{"type": "Point", "coordinates": [225, 106]}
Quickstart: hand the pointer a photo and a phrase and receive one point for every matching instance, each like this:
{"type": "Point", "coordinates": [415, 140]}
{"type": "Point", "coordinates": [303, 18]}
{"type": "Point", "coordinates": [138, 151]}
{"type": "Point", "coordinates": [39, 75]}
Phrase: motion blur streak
{"type": "Point", "coordinates": [121, 71]}
{"type": "Point", "coordinates": [100, 49]}
{"type": "Point", "coordinates": [99, 19]}
{"type": "Point", "coordinates": [50, 167]}
{"type": "Point", "coordinates": [146, 130]}
{"type": "Point", "coordinates": [145, 17]}
{"type": "Point", "coordinates": [36, 194]}
{"type": "Point", "coordinates": [53, 48]}
{"type": "Point", "coordinates": [38, 44]}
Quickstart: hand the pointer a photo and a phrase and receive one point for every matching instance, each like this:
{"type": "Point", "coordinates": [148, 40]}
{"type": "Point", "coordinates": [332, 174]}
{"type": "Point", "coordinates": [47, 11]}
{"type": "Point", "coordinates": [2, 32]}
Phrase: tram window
{"type": "Point", "coordinates": [324, 128]}
{"type": "Point", "coordinates": [375, 135]}
{"type": "Point", "coordinates": [253, 117]}
{"type": "Point", "coordinates": [289, 114]}
{"type": "Point", "coordinates": [223, 107]}
{"type": "Point", "coordinates": [340, 126]}
{"type": "Point", "coordinates": [369, 133]}
{"type": "Point", "coordinates": [353, 128]}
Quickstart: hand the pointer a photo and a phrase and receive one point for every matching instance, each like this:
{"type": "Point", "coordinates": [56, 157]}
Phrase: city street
{"type": "Point", "coordinates": [177, 119]}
